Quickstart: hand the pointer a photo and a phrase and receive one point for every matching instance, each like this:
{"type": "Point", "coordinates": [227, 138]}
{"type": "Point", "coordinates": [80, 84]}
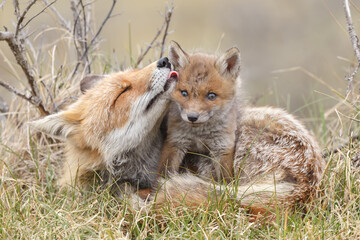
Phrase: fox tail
{"type": "Point", "coordinates": [258, 198]}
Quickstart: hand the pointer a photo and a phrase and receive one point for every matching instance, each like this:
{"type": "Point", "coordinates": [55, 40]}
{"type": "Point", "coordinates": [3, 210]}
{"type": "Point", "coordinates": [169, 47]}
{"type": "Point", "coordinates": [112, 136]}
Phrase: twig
{"type": "Point", "coordinates": [22, 17]}
{"type": "Point", "coordinates": [355, 43]}
{"type": "Point", "coordinates": [141, 57]}
{"type": "Point", "coordinates": [351, 118]}
{"type": "Point", "coordinates": [108, 16]}
{"type": "Point", "coordinates": [84, 37]}
{"type": "Point", "coordinates": [32, 99]}
{"type": "Point", "coordinates": [76, 31]}
{"type": "Point", "coordinates": [3, 106]}
{"type": "Point", "coordinates": [51, 96]}
{"type": "Point", "coordinates": [18, 51]}
{"type": "Point", "coordinates": [47, 6]}
{"type": "Point", "coordinates": [167, 23]}
{"type": "Point", "coordinates": [101, 27]}
{"type": "Point", "coordinates": [338, 148]}
{"type": "Point", "coordinates": [16, 8]}
{"type": "Point", "coordinates": [60, 17]}
{"type": "Point", "coordinates": [2, 4]}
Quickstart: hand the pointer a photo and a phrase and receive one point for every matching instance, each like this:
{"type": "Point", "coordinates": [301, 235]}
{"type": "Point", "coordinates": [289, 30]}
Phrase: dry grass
{"type": "Point", "coordinates": [32, 206]}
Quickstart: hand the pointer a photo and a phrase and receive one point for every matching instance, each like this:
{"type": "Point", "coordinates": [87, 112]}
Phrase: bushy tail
{"type": "Point", "coordinates": [258, 197]}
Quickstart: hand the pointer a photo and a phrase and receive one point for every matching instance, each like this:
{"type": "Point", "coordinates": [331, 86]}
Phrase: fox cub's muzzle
{"type": "Point", "coordinates": [193, 117]}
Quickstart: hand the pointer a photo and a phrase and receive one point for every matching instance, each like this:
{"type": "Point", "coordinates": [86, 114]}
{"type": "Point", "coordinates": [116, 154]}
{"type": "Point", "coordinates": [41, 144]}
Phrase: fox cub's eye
{"type": "Point", "coordinates": [184, 93]}
{"type": "Point", "coordinates": [211, 96]}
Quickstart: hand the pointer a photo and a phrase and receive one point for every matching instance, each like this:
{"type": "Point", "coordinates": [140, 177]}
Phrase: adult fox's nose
{"type": "Point", "coordinates": [163, 62]}
{"type": "Point", "coordinates": [193, 117]}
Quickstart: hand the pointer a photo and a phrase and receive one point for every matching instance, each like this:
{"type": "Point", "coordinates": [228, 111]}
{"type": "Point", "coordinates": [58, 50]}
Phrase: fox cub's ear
{"type": "Point", "coordinates": [57, 125]}
{"type": "Point", "coordinates": [178, 57]}
{"type": "Point", "coordinates": [229, 63]}
{"type": "Point", "coordinates": [90, 81]}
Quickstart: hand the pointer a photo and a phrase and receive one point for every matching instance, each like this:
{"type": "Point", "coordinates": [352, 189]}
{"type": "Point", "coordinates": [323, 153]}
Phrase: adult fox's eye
{"type": "Point", "coordinates": [184, 93]}
{"type": "Point", "coordinates": [211, 96]}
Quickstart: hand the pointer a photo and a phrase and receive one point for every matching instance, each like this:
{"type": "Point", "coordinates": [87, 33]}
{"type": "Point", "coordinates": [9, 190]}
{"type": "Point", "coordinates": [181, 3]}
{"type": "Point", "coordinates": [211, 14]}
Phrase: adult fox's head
{"type": "Point", "coordinates": [206, 85]}
{"type": "Point", "coordinates": [116, 111]}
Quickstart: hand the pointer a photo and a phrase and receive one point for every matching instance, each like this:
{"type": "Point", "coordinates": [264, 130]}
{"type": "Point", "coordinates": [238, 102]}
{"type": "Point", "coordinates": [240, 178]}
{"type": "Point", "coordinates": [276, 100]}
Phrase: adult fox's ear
{"type": "Point", "coordinates": [59, 125]}
{"type": "Point", "coordinates": [178, 57]}
{"type": "Point", "coordinates": [229, 63]}
{"type": "Point", "coordinates": [90, 81]}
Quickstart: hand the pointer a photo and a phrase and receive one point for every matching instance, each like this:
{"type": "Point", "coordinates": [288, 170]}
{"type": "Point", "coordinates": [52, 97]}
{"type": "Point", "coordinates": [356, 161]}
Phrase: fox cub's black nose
{"type": "Point", "coordinates": [193, 117]}
{"type": "Point", "coordinates": [163, 62]}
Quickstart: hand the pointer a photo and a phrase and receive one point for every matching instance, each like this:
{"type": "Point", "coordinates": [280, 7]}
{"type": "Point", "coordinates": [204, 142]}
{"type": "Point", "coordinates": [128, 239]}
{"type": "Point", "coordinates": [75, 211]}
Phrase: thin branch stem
{"type": "Point", "coordinates": [18, 51]}
{"type": "Point", "coordinates": [2, 4]}
{"type": "Point", "coordinates": [355, 43]}
{"type": "Point", "coordinates": [65, 24]}
{"type": "Point", "coordinates": [108, 16]}
{"type": "Point", "coordinates": [12, 89]}
{"type": "Point", "coordinates": [84, 38]}
{"type": "Point", "coordinates": [141, 57]}
{"type": "Point", "coordinates": [168, 15]}
{"type": "Point", "coordinates": [22, 17]}
{"type": "Point", "coordinates": [3, 106]}
{"type": "Point", "coordinates": [37, 14]}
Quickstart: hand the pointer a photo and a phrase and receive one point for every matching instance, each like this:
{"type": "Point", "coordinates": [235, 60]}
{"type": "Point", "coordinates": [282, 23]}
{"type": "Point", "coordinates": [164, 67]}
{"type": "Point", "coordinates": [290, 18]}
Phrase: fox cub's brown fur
{"type": "Point", "coordinates": [266, 149]}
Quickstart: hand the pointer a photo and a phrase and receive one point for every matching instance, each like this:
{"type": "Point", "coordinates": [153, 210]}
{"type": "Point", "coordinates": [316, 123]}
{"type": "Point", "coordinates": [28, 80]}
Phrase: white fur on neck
{"type": "Point", "coordinates": [142, 125]}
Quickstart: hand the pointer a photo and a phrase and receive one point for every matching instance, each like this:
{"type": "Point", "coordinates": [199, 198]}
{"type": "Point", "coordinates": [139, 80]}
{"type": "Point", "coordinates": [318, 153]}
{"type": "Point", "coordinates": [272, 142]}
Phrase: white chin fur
{"type": "Point", "coordinates": [141, 122]}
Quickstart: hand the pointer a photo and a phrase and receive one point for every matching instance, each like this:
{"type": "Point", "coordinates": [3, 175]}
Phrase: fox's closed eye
{"type": "Point", "coordinates": [125, 90]}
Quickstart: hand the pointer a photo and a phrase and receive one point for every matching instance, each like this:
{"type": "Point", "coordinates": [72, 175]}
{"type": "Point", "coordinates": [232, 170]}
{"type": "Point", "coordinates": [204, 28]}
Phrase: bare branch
{"type": "Point", "coordinates": [3, 106]}
{"type": "Point", "coordinates": [2, 4]}
{"type": "Point", "coordinates": [355, 43]}
{"type": "Point", "coordinates": [338, 148]}
{"type": "Point", "coordinates": [141, 57]}
{"type": "Point", "coordinates": [84, 37]}
{"type": "Point", "coordinates": [4, 36]}
{"type": "Point", "coordinates": [108, 16]}
{"type": "Point", "coordinates": [65, 24]}
{"type": "Point", "coordinates": [18, 51]}
{"type": "Point", "coordinates": [167, 18]}
{"type": "Point", "coordinates": [76, 29]}
{"type": "Point", "coordinates": [22, 17]}
{"type": "Point", "coordinates": [16, 8]}
{"type": "Point", "coordinates": [51, 96]}
{"type": "Point", "coordinates": [47, 6]}
{"type": "Point", "coordinates": [33, 100]}
{"type": "Point", "coordinates": [101, 27]}
{"type": "Point", "coordinates": [168, 15]}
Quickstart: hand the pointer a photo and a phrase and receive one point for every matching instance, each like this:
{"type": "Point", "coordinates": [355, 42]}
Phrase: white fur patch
{"type": "Point", "coordinates": [141, 121]}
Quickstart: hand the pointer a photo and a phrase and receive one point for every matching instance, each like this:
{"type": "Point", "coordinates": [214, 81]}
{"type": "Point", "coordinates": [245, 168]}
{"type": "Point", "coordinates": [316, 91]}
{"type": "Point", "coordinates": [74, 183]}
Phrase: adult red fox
{"type": "Point", "coordinates": [114, 126]}
{"type": "Point", "coordinates": [265, 150]}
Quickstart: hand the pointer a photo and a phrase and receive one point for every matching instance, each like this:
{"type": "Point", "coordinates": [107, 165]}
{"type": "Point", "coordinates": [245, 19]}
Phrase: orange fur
{"type": "Point", "coordinates": [113, 129]}
{"type": "Point", "coordinates": [272, 158]}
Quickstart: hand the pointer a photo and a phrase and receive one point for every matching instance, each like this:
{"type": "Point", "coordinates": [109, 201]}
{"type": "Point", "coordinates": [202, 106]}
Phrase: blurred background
{"type": "Point", "coordinates": [294, 53]}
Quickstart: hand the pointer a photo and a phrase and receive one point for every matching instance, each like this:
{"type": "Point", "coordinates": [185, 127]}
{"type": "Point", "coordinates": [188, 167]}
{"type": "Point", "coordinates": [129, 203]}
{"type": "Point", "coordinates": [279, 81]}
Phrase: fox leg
{"type": "Point", "coordinates": [171, 158]}
{"type": "Point", "coordinates": [79, 168]}
{"type": "Point", "coordinates": [73, 173]}
{"type": "Point", "coordinates": [225, 168]}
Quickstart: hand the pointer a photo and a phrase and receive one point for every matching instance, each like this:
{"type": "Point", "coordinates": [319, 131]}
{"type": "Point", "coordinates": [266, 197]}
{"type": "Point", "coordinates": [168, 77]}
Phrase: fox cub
{"type": "Point", "coordinates": [266, 149]}
{"type": "Point", "coordinates": [203, 116]}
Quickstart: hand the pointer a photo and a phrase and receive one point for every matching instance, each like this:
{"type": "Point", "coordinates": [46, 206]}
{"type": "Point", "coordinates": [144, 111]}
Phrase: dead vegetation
{"type": "Point", "coordinates": [33, 207]}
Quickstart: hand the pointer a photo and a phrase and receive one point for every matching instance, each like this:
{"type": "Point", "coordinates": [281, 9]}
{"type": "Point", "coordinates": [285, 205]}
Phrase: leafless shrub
{"type": "Point", "coordinates": [167, 18]}
{"type": "Point", "coordinates": [84, 39]}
